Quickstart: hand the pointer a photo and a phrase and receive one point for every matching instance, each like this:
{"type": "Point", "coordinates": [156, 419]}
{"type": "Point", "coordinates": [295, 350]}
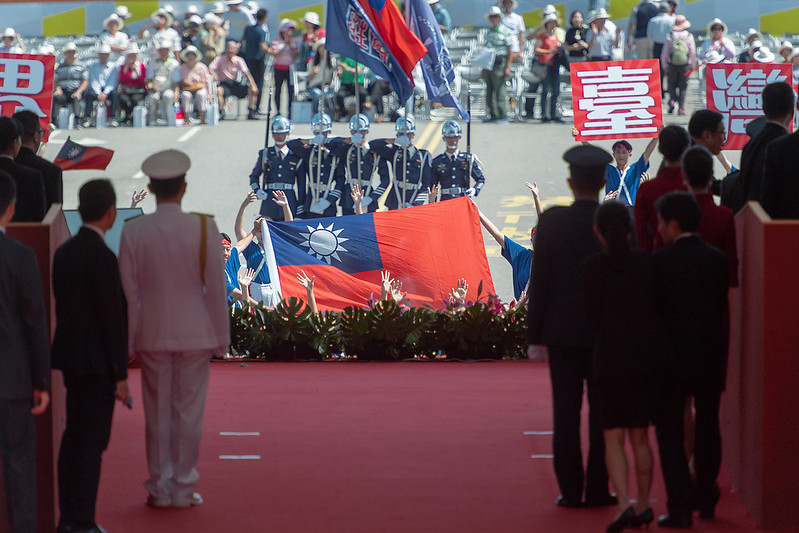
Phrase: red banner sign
{"type": "Point", "coordinates": [616, 99]}
{"type": "Point", "coordinates": [736, 90]}
{"type": "Point", "coordinates": [26, 82]}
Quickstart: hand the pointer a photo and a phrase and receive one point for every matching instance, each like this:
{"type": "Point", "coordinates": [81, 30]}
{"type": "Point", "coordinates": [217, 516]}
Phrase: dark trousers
{"type": "Point", "coordinates": [496, 103]}
{"type": "Point", "coordinates": [257, 69]}
{"type": "Point", "coordinates": [90, 408]}
{"type": "Point", "coordinates": [670, 431]}
{"type": "Point", "coordinates": [281, 77]}
{"type": "Point", "coordinates": [377, 90]}
{"type": "Point", "coordinates": [570, 372]}
{"type": "Point", "coordinates": [349, 89]}
{"type": "Point", "coordinates": [130, 98]}
{"type": "Point", "coordinates": [91, 98]}
{"type": "Point", "coordinates": [18, 451]}
{"type": "Point", "coordinates": [657, 49]}
{"type": "Point", "coordinates": [678, 83]}
{"type": "Point", "coordinates": [550, 91]}
{"type": "Point", "coordinates": [707, 445]}
{"type": "Point", "coordinates": [65, 99]}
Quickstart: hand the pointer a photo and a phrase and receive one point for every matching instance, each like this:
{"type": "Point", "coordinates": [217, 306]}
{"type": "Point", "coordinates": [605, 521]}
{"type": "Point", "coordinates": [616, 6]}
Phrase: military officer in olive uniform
{"type": "Point", "coordinates": [318, 192]}
{"type": "Point", "coordinates": [372, 168]}
{"type": "Point", "coordinates": [409, 166]}
{"type": "Point", "coordinates": [280, 170]}
{"type": "Point", "coordinates": [453, 170]}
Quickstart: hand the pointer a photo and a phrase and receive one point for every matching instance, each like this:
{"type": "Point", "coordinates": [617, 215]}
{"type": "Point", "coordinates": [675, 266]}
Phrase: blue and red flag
{"type": "Point", "coordinates": [74, 156]}
{"type": "Point", "coordinates": [437, 68]}
{"type": "Point", "coordinates": [428, 248]}
{"type": "Point", "coordinates": [373, 32]}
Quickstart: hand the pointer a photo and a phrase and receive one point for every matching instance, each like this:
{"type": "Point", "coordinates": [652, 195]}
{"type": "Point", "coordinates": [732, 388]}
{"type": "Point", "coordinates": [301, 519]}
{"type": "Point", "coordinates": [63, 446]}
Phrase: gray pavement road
{"type": "Point", "coordinates": [223, 156]}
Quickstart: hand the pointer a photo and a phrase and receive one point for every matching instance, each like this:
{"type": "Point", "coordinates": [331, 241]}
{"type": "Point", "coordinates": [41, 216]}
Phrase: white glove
{"type": "Point", "coordinates": [318, 139]}
{"type": "Point", "coordinates": [403, 141]}
{"type": "Point", "coordinates": [320, 206]}
{"type": "Point", "coordinates": [261, 194]}
{"type": "Point", "coordinates": [366, 201]}
{"type": "Point", "coordinates": [470, 192]}
{"type": "Point", "coordinates": [356, 138]}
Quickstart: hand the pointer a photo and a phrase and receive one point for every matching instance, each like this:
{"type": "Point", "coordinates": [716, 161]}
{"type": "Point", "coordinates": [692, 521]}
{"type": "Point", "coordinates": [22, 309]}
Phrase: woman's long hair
{"type": "Point", "coordinates": [613, 222]}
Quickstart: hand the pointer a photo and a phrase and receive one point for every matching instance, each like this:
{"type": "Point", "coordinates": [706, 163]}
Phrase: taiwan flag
{"type": "Point", "coordinates": [374, 33]}
{"type": "Point", "coordinates": [428, 248]}
{"type": "Point", "coordinates": [74, 156]}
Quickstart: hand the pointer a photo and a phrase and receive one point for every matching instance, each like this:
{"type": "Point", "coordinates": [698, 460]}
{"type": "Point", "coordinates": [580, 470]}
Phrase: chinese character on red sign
{"type": "Point", "coordinates": [735, 91]}
{"type": "Point", "coordinates": [26, 82]}
{"type": "Point", "coordinates": [615, 99]}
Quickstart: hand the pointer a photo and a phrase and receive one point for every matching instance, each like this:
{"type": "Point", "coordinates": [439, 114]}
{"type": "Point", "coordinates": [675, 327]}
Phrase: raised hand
{"type": "Point", "coordinates": [611, 195]}
{"type": "Point", "coordinates": [458, 294]}
{"type": "Point", "coordinates": [280, 198]}
{"type": "Point", "coordinates": [357, 194]}
{"type": "Point", "coordinates": [533, 187]}
{"type": "Point", "coordinates": [137, 197]}
{"type": "Point", "coordinates": [385, 283]}
{"type": "Point", "coordinates": [245, 278]}
{"type": "Point", "coordinates": [305, 281]}
{"type": "Point", "coordinates": [645, 177]}
{"type": "Point", "coordinates": [250, 198]}
{"type": "Point", "coordinates": [396, 291]}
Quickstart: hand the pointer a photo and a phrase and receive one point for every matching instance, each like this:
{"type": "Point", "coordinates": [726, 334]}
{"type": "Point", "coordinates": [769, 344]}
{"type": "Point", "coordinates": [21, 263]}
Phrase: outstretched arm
{"type": "Point", "coordinates": [239, 228]}
{"type": "Point", "coordinates": [492, 229]}
{"type": "Point", "coordinates": [307, 282]}
{"type": "Point", "coordinates": [281, 200]}
{"type": "Point", "coordinates": [534, 189]}
{"type": "Point", "coordinates": [650, 148]}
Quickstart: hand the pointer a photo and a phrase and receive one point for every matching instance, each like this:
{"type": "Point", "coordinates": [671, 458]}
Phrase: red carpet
{"type": "Point", "coordinates": [362, 447]}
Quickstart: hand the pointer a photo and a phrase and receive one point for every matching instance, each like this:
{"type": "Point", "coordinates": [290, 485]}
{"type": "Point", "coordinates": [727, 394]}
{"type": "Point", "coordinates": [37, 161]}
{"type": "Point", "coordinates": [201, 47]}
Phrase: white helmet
{"type": "Point", "coordinates": [281, 124]}
{"type": "Point", "coordinates": [359, 122]}
{"type": "Point", "coordinates": [405, 125]}
{"type": "Point", "coordinates": [451, 128]}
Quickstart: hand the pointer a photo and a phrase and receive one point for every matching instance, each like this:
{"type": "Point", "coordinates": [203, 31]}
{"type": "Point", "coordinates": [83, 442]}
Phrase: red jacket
{"type": "Point", "coordinates": [717, 228]}
{"type": "Point", "coordinates": [646, 216]}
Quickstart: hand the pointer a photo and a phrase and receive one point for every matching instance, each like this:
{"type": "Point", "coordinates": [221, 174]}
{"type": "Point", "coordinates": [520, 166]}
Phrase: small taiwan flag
{"type": "Point", "coordinates": [74, 156]}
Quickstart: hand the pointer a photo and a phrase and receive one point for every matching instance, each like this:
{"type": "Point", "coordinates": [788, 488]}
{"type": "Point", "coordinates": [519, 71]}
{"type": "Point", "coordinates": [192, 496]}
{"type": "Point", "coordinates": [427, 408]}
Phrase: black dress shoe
{"type": "Point", "coordinates": [96, 529]}
{"type": "Point", "coordinates": [625, 519]}
{"type": "Point", "coordinates": [562, 501]}
{"type": "Point", "coordinates": [707, 509]}
{"type": "Point", "coordinates": [645, 518]}
{"type": "Point", "coordinates": [675, 522]}
{"type": "Point", "coordinates": [602, 501]}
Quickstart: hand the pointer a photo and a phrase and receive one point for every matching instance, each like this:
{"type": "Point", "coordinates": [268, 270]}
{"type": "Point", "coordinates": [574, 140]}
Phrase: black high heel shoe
{"type": "Point", "coordinates": [645, 518]}
{"type": "Point", "coordinates": [625, 519]}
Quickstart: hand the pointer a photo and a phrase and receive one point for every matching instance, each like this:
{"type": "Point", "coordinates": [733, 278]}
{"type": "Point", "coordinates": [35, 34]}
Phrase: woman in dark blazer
{"type": "Point", "coordinates": [619, 290]}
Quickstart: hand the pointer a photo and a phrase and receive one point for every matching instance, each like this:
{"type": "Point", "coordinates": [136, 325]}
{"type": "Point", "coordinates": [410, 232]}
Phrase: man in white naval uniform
{"type": "Point", "coordinates": [172, 273]}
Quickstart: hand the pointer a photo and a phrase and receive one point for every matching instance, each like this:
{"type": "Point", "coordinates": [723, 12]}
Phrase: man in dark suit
{"type": "Point", "coordinates": [778, 106]}
{"type": "Point", "coordinates": [692, 281]}
{"type": "Point", "coordinates": [564, 239]}
{"type": "Point", "coordinates": [24, 366]}
{"type": "Point", "coordinates": [780, 187]}
{"type": "Point", "coordinates": [91, 349]}
{"type": "Point", "coordinates": [32, 135]}
{"type": "Point", "coordinates": [29, 182]}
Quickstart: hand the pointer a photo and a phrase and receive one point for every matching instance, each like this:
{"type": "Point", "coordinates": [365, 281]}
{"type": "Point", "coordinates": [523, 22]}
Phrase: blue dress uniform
{"type": "Point", "coordinates": [347, 174]}
{"type": "Point", "coordinates": [279, 173]}
{"type": "Point", "coordinates": [317, 183]}
{"type": "Point", "coordinates": [409, 185]}
{"type": "Point", "coordinates": [452, 172]}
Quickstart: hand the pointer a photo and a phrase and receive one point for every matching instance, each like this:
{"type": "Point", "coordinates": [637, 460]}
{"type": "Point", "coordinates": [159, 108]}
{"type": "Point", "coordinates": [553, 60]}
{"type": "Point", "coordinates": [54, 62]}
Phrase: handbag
{"type": "Point", "coordinates": [539, 69]}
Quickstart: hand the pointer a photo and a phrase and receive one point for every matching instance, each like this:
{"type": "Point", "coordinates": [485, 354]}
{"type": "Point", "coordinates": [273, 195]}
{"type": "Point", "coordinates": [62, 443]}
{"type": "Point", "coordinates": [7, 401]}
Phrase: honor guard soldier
{"type": "Point", "coordinates": [409, 166]}
{"type": "Point", "coordinates": [349, 156]}
{"type": "Point", "coordinates": [453, 170]}
{"type": "Point", "coordinates": [280, 170]}
{"type": "Point", "coordinates": [318, 191]}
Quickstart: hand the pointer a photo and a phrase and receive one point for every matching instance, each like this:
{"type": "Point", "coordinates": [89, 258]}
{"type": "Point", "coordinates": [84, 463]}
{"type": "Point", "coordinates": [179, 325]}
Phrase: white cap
{"type": "Point", "coordinates": [104, 48]}
{"type": "Point", "coordinates": [550, 17]}
{"type": "Point", "coordinates": [132, 48]}
{"type": "Point", "coordinates": [494, 11]}
{"type": "Point", "coordinates": [166, 165]}
{"type": "Point", "coordinates": [234, 2]}
{"type": "Point", "coordinates": [70, 47]}
{"type": "Point", "coordinates": [195, 19]}
{"type": "Point", "coordinates": [312, 17]}
{"type": "Point", "coordinates": [122, 12]}
{"type": "Point", "coordinates": [113, 18]}
{"type": "Point", "coordinates": [763, 55]}
{"type": "Point", "coordinates": [9, 32]}
{"type": "Point", "coordinates": [192, 9]}
{"type": "Point", "coordinates": [169, 9]}
{"type": "Point", "coordinates": [191, 49]}
{"type": "Point", "coordinates": [217, 7]}
{"type": "Point", "coordinates": [210, 18]}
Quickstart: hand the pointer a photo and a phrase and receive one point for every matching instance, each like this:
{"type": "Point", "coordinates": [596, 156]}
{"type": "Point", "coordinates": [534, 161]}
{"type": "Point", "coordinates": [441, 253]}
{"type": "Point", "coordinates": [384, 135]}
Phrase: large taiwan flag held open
{"type": "Point", "coordinates": [428, 248]}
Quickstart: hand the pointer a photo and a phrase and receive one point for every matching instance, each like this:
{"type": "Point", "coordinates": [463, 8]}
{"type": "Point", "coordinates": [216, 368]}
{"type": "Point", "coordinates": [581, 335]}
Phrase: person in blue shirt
{"type": "Point", "coordinates": [254, 50]}
{"type": "Point", "coordinates": [442, 16]}
{"type": "Point", "coordinates": [519, 257]}
{"type": "Point", "coordinates": [237, 287]}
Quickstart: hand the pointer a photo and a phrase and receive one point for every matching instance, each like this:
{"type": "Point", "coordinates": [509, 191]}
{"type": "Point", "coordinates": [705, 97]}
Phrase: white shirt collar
{"type": "Point", "coordinates": [100, 232]}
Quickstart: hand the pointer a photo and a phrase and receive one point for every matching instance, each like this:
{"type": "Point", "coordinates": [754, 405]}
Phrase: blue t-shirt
{"type": "Point", "coordinates": [632, 180]}
{"type": "Point", "coordinates": [253, 37]}
{"type": "Point", "coordinates": [520, 259]}
{"type": "Point", "coordinates": [254, 254]}
{"type": "Point", "coordinates": [232, 266]}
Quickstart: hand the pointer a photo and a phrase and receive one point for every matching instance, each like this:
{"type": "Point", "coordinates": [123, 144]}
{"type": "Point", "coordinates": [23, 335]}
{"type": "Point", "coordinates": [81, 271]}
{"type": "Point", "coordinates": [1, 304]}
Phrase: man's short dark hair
{"type": "Point", "coordinates": [29, 121]}
{"type": "Point", "coordinates": [167, 188]}
{"type": "Point", "coordinates": [697, 165]}
{"type": "Point", "coordinates": [8, 191]}
{"type": "Point", "coordinates": [778, 100]}
{"type": "Point", "coordinates": [682, 207]}
{"type": "Point", "coordinates": [704, 120]}
{"type": "Point", "coordinates": [672, 142]}
{"type": "Point", "coordinates": [10, 130]}
{"type": "Point", "coordinates": [587, 180]}
{"type": "Point", "coordinates": [260, 15]}
{"type": "Point", "coordinates": [95, 198]}
{"type": "Point", "coordinates": [625, 144]}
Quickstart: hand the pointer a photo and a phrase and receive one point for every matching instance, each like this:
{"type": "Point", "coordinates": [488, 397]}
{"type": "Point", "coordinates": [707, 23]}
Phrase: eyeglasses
{"type": "Point", "coordinates": [722, 133]}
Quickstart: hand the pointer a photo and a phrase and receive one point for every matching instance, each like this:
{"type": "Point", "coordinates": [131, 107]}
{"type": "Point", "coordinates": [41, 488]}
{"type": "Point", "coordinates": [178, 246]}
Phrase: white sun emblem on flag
{"type": "Point", "coordinates": [324, 243]}
{"type": "Point", "coordinates": [75, 152]}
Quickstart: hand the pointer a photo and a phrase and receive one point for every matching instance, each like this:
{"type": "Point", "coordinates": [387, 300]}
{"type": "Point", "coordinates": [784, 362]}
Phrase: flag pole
{"type": "Point", "coordinates": [265, 157]}
{"type": "Point", "coordinates": [319, 157]}
{"type": "Point", "coordinates": [358, 125]}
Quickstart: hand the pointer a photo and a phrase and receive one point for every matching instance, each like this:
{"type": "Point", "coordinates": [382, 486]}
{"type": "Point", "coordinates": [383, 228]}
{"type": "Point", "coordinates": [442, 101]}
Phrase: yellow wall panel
{"type": "Point", "coordinates": [533, 18]}
{"type": "Point", "coordinates": [297, 15]}
{"type": "Point", "coordinates": [72, 22]}
{"type": "Point", "coordinates": [140, 10]}
{"type": "Point", "coordinates": [781, 22]}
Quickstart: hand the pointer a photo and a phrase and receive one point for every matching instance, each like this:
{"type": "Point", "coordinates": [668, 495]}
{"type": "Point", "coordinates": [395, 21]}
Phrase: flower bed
{"type": "Point", "coordinates": [386, 331]}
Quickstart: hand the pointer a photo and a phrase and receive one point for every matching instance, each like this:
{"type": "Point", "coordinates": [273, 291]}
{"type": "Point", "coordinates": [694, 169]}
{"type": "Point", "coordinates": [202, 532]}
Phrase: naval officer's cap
{"type": "Point", "coordinates": [166, 165]}
{"type": "Point", "coordinates": [587, 156]}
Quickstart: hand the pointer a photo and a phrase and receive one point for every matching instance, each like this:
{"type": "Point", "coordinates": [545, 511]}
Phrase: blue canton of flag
{"type": "Point", "coordinates": [437, 68]}
{"type": "Point", "coordinates": [352, 34]}
{"type": "Point", "coordinates": [347, 243]}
